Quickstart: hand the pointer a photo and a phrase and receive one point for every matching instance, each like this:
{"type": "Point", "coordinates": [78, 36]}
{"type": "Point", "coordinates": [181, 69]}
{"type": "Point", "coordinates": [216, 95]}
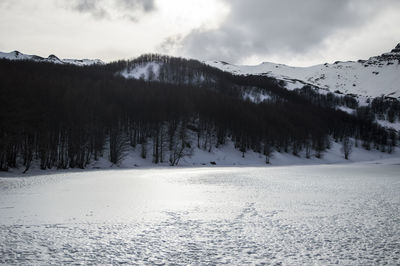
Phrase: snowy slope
{"type": "Point", "coordinates": [374, 77]}
{"type": "Point", "coordinates": [146, 71]}
{"type": "Point", "coordinates": [83, 62]}
{"type": "Point", "coordinates": [15, 55]}
{"type": "Point", "coordinates": [377, 76]}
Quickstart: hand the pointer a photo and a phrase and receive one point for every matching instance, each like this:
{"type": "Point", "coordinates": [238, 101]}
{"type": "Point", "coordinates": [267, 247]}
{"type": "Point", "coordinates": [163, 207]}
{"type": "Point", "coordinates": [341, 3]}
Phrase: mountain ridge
{"type": "Point", "coordinates": [67, 116]}
{"type": "Point", "coordinates": [16, 55]}
{"type": "Point", "coordinates": [374, 77]}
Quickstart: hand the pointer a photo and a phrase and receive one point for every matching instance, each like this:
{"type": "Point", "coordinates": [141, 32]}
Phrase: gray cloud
{"type": "Point", "coordinates": [170, 44]}
{"type": "Point", "coordinates": [6, 4]}
{"type": "Point", "coordinates": [99, 9]}
{"type": "Point", "coordinates": [261, 27]}
{"type": "Point", "coordinates": [90, 6]}
{"type": "Point", "coordinates": [145, 5]}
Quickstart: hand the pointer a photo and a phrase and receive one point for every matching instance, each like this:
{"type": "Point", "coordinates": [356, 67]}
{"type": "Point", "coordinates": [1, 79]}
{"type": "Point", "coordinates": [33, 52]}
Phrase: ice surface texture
{"type": "Point", "coordinates": [346, 214]}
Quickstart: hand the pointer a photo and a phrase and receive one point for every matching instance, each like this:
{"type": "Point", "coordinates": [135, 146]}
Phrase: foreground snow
{"type": "Point", "coordinates": [346, 214]}
{"type": "Point", "coordinates": [225, 155]}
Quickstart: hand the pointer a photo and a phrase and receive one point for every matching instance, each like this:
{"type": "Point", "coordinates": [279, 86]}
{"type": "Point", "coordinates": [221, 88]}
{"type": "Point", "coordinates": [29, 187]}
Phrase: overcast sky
{"type": "Point", "coordinates": [293, 32]}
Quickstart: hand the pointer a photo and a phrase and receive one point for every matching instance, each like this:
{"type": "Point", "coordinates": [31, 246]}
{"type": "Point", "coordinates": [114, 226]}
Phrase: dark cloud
{"type": "Point", "coordinates": [170, 44]}
{"type": "Point", "coordinates": [145, 5]}
{"type": "Point", "coordinates": [100, 8]}
{"type": "Point", "coordinates": [260, 27]}
{"type": "Point", "coordinates": [90, 6]}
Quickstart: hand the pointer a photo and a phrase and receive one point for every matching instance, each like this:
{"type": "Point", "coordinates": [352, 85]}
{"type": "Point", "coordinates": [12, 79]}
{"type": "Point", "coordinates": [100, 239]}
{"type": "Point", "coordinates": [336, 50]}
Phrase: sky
{"type": "Point", "coordinates": [293, 32]}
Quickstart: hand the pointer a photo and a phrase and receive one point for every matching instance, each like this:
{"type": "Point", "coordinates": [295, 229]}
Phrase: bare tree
{"type": "Point", "coordinates": [347, 147]}
{"type": "Point", "coordinates": [118, 146]}
{"type": "Point", "coordinates": [267, 152]}
{"type": "Point", "coordinates": [143, 152]}
{"type": "Point", "coordinates": [180, 145]}
{"type": "Point", "coordinates": [308, 147]}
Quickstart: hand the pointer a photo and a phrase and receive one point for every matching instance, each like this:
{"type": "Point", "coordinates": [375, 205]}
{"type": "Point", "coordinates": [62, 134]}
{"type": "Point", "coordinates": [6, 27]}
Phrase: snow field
{"type": "Point", "coordinates": [327, 214]}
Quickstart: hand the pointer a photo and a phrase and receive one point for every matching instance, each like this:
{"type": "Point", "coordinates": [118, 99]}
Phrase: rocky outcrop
{"type": "Point", "coordinates": [386, 58]}
{"type": "Point", "coordinates": [396, 49]}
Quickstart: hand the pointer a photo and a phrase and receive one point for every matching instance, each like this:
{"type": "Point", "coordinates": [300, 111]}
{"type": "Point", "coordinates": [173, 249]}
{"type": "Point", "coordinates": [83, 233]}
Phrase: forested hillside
{"type": "Point", "coordinates": [66, 116]}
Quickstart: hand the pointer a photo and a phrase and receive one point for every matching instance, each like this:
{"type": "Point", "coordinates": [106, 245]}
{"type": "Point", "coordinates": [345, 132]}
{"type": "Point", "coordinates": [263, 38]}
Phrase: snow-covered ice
{"type": "Point", "coordinates": [323, 214]}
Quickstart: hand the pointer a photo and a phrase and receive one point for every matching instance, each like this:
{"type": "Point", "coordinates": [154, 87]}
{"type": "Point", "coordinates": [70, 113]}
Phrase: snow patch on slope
{"type": "Point", "coordinates": [387, 124]}
{"type": "Point", "coordinates": [255, 96]}
{"type": "Point", "coordinates": [83, 62]}
{"type": "Point", "coordinates": [151, 71]}
{"type": "Point", "coordinates": [146, 71]}
{"type": "Point", "coordinates": [346, 109]}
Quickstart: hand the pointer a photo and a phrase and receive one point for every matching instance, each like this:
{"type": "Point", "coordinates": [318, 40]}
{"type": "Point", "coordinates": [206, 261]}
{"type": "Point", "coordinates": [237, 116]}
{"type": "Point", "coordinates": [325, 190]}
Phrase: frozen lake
{"type": "Point", "coordinates": [346, 214]}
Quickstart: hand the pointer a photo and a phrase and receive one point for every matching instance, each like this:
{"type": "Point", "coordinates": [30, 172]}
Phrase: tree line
{"type": "Point", "coordinates": [66, 116]}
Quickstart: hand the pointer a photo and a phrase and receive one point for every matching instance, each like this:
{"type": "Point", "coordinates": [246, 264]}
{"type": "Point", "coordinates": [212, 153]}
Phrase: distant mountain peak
{"type": "Point", "coordinates": [53, 57]}
{"type": "Point", "coordinates": [390, 57]}
{"type": "Point", "coordinates": [396, 49]}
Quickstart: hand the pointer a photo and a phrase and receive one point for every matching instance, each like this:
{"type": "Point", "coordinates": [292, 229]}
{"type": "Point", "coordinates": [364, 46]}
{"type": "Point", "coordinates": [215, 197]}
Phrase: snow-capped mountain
{"type": "Point", "coordinates": [178, 108]}
{"type": "Point", "coordinates": [16, 55]}
{"type": "Point", "coordinates": [377, 76]}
